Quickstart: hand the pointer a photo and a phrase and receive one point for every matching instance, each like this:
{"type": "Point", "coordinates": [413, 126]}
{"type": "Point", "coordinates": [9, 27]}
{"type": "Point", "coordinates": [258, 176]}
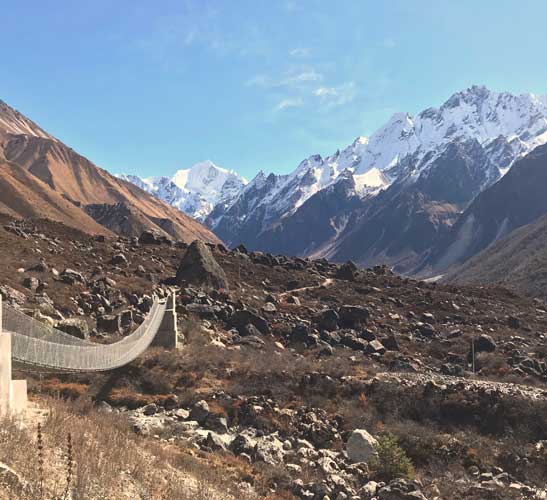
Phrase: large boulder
{"type": "Point", "coordinates": [361, 446]}
{"type": "Point", "coordinates": [200, 411]}
{"type": "Point", "coordinates": [348, 271]}
{"type": "Point", "coordinates": [353, 316]}
{"type": "Point", "coordinates": [485, 343]}
{"type": "Point", "coordinates": [109, 323]}
{"type": "Point", "coordinates": [77, 327]}
{"type": "Point", "coordinates": [70, 276]}
{"type": "Point", "coordinates": [243, 317]}
{"type": "Point", "coordinates": [149, 238]}
{"type": "Point", "coordinates": [327, 320]}
{"type": "Point", "coordinates": [198, 267]}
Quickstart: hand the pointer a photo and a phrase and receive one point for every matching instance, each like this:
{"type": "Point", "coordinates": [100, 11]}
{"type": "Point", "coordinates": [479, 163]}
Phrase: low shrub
{"type": "Point", "coordinates": [391, 461]}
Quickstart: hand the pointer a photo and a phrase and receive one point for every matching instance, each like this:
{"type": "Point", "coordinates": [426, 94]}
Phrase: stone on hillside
{"type": "Point", "coordinates": [360, 446]}
{"type": "Point", "coordinates": [353, 316]}
{"type": "Point", "coordinates": [400, 489]}
{"type": "Point", "coordinates": [149, 238]}
{"type": "Point", "coordinates": [269, 307]}
{"type": "Point", "coordinates": [119, 260]}
{"type": "Point", "coordinates": [70, 276]}
{"type": "Point", "coordinates": [485, 343]}
{"type": "Point", "coordinates": [293, 299]}
{"type": "Point", "coordinates": [77, 327]}
{"type": "Point", "coordinates": [327, 320]}
{"type": "Point", "coordinates": [390, 343]}
{"type": "Point", "coordinates": [242, 444]}
{"type": "Point", "coordinates": [150, 409]}
{"type": "Point", "coordinates": [249, 330]}
{"type": "Point", "coordinates": [200, 411]}
{"type": "Point", "coordinates": [31, 283]}
{"type": "Point", "coordinates": [375, 347]}
{"type": "Point", "coordinates": [109, 323]}
{"type": "Point", "coordinates": [241, 318]}
{"type": "Point", "coordinates": [198, 267]}
{"type": "Point", "coordinates": [348, 271]}
{"type": "Point", "coordinates": [427, 330]}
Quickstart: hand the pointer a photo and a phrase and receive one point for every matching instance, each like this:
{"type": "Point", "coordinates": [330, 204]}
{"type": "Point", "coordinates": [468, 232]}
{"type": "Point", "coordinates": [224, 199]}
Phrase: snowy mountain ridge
{"type": "Point", "coordinates": [406, 149]}
{"type": "Point", "coordinates": [196, 190]}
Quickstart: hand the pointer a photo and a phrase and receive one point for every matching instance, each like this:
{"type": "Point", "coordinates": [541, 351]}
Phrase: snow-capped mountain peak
{"type": "Point", "coordinates": [195, 190]}
{"type": "Point", "coordinates": [454, 151]}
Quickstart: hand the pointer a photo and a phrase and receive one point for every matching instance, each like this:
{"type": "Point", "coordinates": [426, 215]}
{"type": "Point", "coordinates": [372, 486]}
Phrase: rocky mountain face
{"type": "Point", "coordinates": [391, 197]}
{"type": "Point", "coordinates": [518, 261]}
{"type": "Point", "coordinates": [194, 191]}
{"type": "Point", "coordinates": [387, 198]}
{"type": "Point", "coordinates": [516, 200]}
{"type": "Point", "coordinates": [42, 177]}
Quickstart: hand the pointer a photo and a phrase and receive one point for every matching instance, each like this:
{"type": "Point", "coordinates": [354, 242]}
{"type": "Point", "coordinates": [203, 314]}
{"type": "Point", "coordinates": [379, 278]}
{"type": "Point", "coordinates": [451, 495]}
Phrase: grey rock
{"type": "Point", "coordinates": [198, 267]}
{"type": "Point", "coordinates": [109, 323]}
{"type": "Point", "coordinates": [353, 316]}
{"type": "Point", "coordinates": [360, 446]}
{"type": "Point", "coordinates": [77, 327]}
{"type": "Point", "coordinates": [243, 317]}
{"type": "Point", "coordinates": [200, 411]}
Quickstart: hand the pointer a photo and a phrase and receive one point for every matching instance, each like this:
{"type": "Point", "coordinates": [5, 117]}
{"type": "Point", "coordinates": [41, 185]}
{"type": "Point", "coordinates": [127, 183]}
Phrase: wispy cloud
{"type": "Point", "coordinates": [289, 103]}
{"type": "Point", "coordinates": [301, 77]}
{"type": "Point", "coordinates": [336, 96]}
{"type": "Point", "coordinates": [292, 79]}
{"type": "Point", "coordinates": [300, 52]}
{"type": "Point", "coordinates": [325, 91]}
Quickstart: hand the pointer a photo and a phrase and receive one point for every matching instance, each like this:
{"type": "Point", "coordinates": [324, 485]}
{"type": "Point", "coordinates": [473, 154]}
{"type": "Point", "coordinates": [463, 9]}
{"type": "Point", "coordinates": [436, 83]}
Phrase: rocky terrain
{"type": "Point", "coordinates": [300, 378]}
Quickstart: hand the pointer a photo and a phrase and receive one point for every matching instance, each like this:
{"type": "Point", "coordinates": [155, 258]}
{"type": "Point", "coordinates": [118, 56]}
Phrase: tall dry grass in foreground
{"type": "Point", "coordinates": [103, 460]}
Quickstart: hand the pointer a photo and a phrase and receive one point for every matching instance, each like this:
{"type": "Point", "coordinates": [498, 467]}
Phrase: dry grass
{"type": "Point", "coordinates": [110, 462]}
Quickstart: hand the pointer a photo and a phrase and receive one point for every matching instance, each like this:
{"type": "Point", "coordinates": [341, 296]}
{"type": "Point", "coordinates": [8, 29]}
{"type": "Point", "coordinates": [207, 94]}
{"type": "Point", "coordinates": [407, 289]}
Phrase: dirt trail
{"type": "Point", "coordinates": [326, 283]}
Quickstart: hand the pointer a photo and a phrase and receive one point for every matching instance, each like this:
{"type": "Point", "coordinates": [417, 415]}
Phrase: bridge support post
{"type": "Point", "coordinates": [13, 393]}
{"type": "Point", "coordinates": [167, 335]}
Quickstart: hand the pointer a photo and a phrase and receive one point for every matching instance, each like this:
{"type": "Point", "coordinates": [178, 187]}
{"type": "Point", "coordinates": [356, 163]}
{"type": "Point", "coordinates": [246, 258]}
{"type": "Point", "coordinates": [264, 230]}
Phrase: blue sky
{"type": "Point", "coordinates": [149, 87]}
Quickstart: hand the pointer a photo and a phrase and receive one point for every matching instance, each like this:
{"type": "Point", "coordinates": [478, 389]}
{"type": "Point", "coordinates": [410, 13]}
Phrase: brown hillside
{"type": "Point", "coordinates": [75, 178]}
{"type": "Point", "coordinates": [23, 195]}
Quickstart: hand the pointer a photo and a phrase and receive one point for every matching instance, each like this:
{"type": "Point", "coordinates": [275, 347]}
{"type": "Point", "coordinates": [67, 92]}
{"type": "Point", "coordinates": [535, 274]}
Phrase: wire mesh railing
{"type": "Point", "coordinates": [39, 345]}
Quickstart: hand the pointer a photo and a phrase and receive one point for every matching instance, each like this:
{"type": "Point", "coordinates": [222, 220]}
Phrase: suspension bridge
{"type": "Point", "coordinates": [30, 345]}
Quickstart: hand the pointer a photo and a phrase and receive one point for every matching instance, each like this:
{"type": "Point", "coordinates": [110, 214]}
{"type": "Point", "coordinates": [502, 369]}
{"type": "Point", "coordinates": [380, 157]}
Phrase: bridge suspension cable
{"type": "Point", "coordinates": [39, 346]}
